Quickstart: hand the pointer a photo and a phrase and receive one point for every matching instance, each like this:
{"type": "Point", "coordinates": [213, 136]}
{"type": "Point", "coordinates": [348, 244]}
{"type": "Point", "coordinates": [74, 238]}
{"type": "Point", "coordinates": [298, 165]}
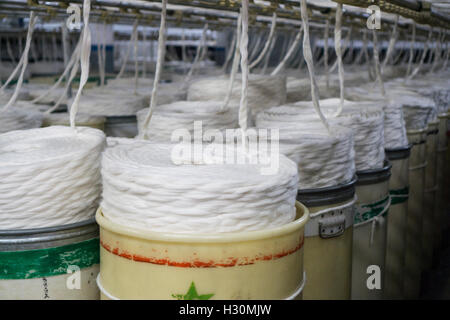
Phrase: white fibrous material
{"type": "Point", "coordinates": [51, 98]}
{"type": "Point", "coordinates": [394, 122]}
{"type": "Point", "coordinates": [167, 92]}
{"type": "Point", "coordinates": [182, 114]}
{"type": "Point", "coordinates": [366, 119]}
{"type": "Point", "coordinates": [418, 110]}
{"type": "Point", "coordinates": [143, 188]}
{"type": "Point", "coordinates": [109, 103]}
{"type": "Point", "coordinates": [300, 89]}
{"type": "Point", "coordinates": [435, 88]}
{"type": "Point", "coordinates": [62, 119]}
{"type": "Point", "coordinates": [50, 176]}
{"type": "Point", "coordinates": [263, 91]}
{"type": "Point", "coordinates": [323, 159]}
{"type": "Point", "coordinates": [19, 119]}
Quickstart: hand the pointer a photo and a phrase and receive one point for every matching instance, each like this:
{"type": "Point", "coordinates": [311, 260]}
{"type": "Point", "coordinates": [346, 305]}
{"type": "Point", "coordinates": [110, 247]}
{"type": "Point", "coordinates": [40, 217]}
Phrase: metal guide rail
{"type": "Point", "coordinates": [219, 13]}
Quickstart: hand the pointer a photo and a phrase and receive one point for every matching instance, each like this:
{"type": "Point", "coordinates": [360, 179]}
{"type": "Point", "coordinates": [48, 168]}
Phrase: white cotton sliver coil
{"type": "Point", "coordinates": [323, 159]}
{"type": "Point", "coordinates": [418, 110]}
{"type": "Point", "coordinates": [111, 104]}
{"type": "Point", "coordinates": [394, 121]}
{"type": "Point", "coordinates": [263, 91]}
{"type": "Point", "coordinates": [182, 114]}
{"type": "Point", "coordinates": [19, 119]}
{"type": "Point", "coordinates": [366, 119]}
{"type": "Point", "coordinates": [300, 89]}
{"type": "Point", "coordinates": [143, 188]}
{"type": "Point", "coordinates": [50, 176]}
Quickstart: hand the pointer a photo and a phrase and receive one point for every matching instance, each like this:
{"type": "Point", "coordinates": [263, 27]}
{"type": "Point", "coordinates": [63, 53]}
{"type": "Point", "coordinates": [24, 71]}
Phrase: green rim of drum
{"type": "Point", "coordinates": [49, 262]}
{"type": "Point", "coordinates": [45, 252]}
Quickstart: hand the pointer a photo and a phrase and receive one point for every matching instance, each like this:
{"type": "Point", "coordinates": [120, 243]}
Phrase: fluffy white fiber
{"type": "Point", "coordinates": [50, 176]}
{"type": "Point", "coordinates": [143, 188]}
{"type": "Point", "coordinates": [323, 159]}
{"type": "Point", "coordinates": [107, 103]}
{"type": "Point", "coordinates": [182, 114]}
{"type": "Point", "coordinates": [19, 119]}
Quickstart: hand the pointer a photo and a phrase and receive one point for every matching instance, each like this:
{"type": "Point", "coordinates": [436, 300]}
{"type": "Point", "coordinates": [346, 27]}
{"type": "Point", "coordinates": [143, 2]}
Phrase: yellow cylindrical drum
{"type": "Point", "coordinates": [413, 257]}
{"type": "Point", "coordinates": [328, 241]}
{"type": "Point", "coordinates": [121, 126]}
{"type": "Point", "coordinates": [397, 219]}
{"type": "Point", "coordinates": [50, 263]}
{"type": "Point", "coordinates": [370, 233]}
{"type": "Point", "coordinates": [428, 232]}
{"type": "Point", "coordinates": [140, 264]}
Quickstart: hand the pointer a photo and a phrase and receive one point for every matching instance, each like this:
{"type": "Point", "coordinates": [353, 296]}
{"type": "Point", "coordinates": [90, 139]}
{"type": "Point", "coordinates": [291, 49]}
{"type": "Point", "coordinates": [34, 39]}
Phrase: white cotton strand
{"type": "Point", "coordinates": [143, 188]}
{"type": "Point", "coordinates": [181, 115]}
{"type": "Point", "coordinates": [323, 159]}
{"type": "Point", "coordinates": [50, 176]}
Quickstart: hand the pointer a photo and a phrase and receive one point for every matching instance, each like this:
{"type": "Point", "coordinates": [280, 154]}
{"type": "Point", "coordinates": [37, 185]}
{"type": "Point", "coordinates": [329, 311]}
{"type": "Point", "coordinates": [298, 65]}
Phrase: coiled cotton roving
{"type": "Point", "coordinates": [323, 159]}
{"type": "Point", "coordinates": [19, 119]}
{"type": "Point", "coordinates": [182, 114]}
{"type": "Point", "coordinates": [366, 120]}
{"type": "Point", "coordinates": [143, 188]}
{"type": "Point", "coordinates": [263, 91]}
{"type": "Point", "coordinates": [418, 110]}
{"type": "Point", "coordinates": [49, 176]}
{"type": "Point", "coordinates": [108, 104]}
{"type": "Point", "coordinates": [394, 121]}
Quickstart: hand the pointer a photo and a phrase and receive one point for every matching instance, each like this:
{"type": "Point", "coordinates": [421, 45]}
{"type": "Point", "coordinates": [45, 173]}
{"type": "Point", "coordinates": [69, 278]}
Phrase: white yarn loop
{"type": "Point", "coordinates": [411, 50]}
{"type": "Point", "coordinates": [422, 58]}
{"type": "Point", "coordinates": [289, 53]}
{"type": "Point", "coordinates": [243, 106]}
{"type": "Point", "coordinates": [337, 45]}
{"type": "Point", "coordinates": [235, 65]}
{"type": "Point", "coordinates": [73, 60]}
{"type": "Point", "coordinates": [23, 62]}
{"type": "Point", "coordinates": [125, 60]}
{"type": "Point", "coordinates": [376, 59]}
{"type": "Point", "coordinates": [391, 45]}
{"type": "Point", "coordinates": [309, 61]}
{"type": "Point", "coordinates": [85, 53]}
{"type": "Point", "coordinates": [267, 44]}
{"type": "Point", "coordinates": [198, 56]}
{"type": "Point", "coordinates": [159, 66]}
{"type": "Point", "coordinates": [325, 53]}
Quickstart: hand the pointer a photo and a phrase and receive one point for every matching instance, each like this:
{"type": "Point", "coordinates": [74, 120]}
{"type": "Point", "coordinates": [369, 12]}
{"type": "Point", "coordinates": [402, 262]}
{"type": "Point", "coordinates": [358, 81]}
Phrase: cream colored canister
{"type": "Point", "coordinates": [140, 264]}
{"type": "Point", "coordinates": [370, 233]}
{"type": "Point", "coordinates": [397, 222]}
{"type": "Point", "coordinates": [328, 241]}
